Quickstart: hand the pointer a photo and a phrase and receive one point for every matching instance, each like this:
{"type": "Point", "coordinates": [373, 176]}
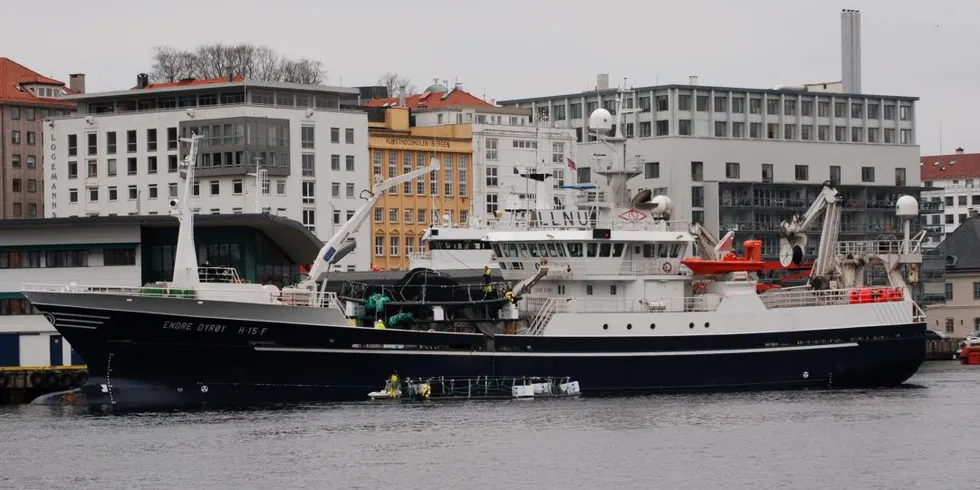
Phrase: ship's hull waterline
{"type": "Point", "coordinates": [170, 352]}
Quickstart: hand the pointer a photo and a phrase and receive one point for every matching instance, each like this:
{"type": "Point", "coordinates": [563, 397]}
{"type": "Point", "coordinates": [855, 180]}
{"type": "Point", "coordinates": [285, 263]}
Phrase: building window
{"type": "Point", "coordinates": [153, 191]}
{"type": "Point", "coordinates": [806, 108]}
{"type": "Point", "coordinates": [379, 246]}
{"type": "Point", "coordinates": [394, 246]}
{"type": "Point", "coordinates": [113, 193]}
{"type": "Point", "coordinates": [15, 137]}
{"type": "Point", "coordinates": [151, 139]}
{"type": "Point", "coordinates": [721, 129]}
{"type": "Point", "coordinates": [309, 165]}
{"type": "Point", "coordinates": [823, 133]}
{"type": "Point", "coordinates": [905, 113]}
{"type": "Point", "coordinates": [662, 102]}
{"type": "Point", "coordinates": [663, 128]}
{"type": "Point", "coordinates": [379, 215]}
{"type": "Point", "coordinates": [171, 138]}
{"type": "Point", "coordinates": [349, 136]}
{"type": "Point", "coordinates": [118, 257]}
{"type": "Point", "coordinates": [349, 163]}
{"type": "Point", "coordinates": [350, 190]}
{"type": "Point", "coordinates": [840, 133]}
{"type": "Point", "coordinates": [491, 203]}
{"type": "Point", "coordinates": [306, 137]}
{"type": "Point", "coordinates": [448, 175]}
{"type": "Point", "coordinates": [215, 187]}
{"type": "Point", "coordinates": [857, 135]}
{"type": "Point", "coordinates": [237, 187]}
{"type": "Point", "coordinates": [651, 170]}
{"type": "Point", "coordinates": [335, 189]}
{"type": "Point", "coordinates": [66, 258]}
{"type": "Point", "coordinates": [789, 131]}
{"type": "Point", "coordinates": [93, 194]}
{"type": "Point", "coordinates": [133, 193]}
{"type": "Point", "coordinates": [772, 106]}
{"type": "Point", "coordinates": [772, 131]}
{"type": "Point", "coordinates": [684, 127]}
{"type": "Point", "coordinates": [900, 179]}
{"type": "Point", "coordinates": [755, 105]}
{"type": "Point", "coordinates": [802, 172]}
{"type": "Point", "coordinates": [721, 103]}
{"type": "Point", "coordinates": [93, 168]}
{"type": "Point", "coordinates": [767, 173]}
{"type": "Point", "coordinates": [839, 109]}
{"type": "Point", "coordinates": [857, 110]}
{"type": "Point", "coordinates": [806, 132]}
{"type": "Point", "coordinates": [335, 135]}
{"type": "Point", "coordinates": [835, 174]}
{"type": "Point", "coordinates": [336, 216]}
{"type": "Point", "coordinates": [906, 136]}
{"type": "Point", "coordinates": [789, 107]}
{"type": "Point", "coordinates": [755, 130]}
{"type": "Point", "coordinates": [15, 161]}
{"type": "Point", "coordinates": [867, 174]}
{"type": "Point", "coordinates": [697, 171]}
{"type": "Point", "coordinates": [732, 170]}
{"type": "Point", "coordinates": [131, 165]}
{"type": "Point", "coordinates": [491, 153]}
{"type": "Point", "coordinates": [111, 167]}
{"type": "Point", "coordinates": [702, 103]}
{"type": "Point", "coordinates": [873, 135]}
{"type": "Point", "coordinates": [393, 215]}
{"type": "Point", "coordinates": [172, 190]}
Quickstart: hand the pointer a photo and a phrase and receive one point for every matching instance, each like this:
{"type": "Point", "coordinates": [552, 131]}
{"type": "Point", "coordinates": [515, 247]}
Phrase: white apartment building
{"type": "Point", "coordinates": [298, 151]}
{"type": "Point", "coordinates": [506, 142]}
{"type": "Point", "coordinates": [952, 192]}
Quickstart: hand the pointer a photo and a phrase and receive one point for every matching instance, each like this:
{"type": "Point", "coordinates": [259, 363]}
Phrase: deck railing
{"type": "Point", "coordinates": [807, 297]}
{"type": "Point", "coordinates": [705, 302]}
{"type": "Point", "coordinates": [241, 294]}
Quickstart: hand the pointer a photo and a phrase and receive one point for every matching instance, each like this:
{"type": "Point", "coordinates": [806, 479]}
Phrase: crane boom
{"type": "Point", "coordinates": [331, 247]}
{"type": "Point", "coordinates": [793, 238]}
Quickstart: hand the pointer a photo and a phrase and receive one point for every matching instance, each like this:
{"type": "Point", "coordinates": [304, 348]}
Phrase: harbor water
{"type": "Point", "coordinates": [918, 436]}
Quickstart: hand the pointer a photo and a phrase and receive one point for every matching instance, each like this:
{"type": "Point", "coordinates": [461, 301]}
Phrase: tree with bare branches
{"type": "Point", "coordinates": [221, 60]}
{"type": "Point", "coordinates": [396, 83]}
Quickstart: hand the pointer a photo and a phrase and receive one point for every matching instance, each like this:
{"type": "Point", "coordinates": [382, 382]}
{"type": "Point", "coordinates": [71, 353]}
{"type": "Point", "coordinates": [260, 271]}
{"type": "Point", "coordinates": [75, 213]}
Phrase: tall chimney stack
{"type": "Point", "coordinates": [602, 81]}
{"type": "Point", "coordinates": [76, 82]}
{"type": "Point", "coordinates": [850, 43]}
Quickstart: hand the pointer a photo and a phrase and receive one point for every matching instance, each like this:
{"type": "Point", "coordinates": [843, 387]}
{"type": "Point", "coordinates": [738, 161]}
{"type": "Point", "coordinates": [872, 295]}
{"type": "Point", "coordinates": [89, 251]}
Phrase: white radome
{"type": "Point", "coordinates": [907, 206]}
{"type": "Point", "coordinates": [600, 120]}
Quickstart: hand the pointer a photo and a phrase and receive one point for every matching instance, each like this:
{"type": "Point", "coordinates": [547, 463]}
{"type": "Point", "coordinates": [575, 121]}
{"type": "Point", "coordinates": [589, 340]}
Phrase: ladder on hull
{"type": "Point", "coordinates": [541, 320]}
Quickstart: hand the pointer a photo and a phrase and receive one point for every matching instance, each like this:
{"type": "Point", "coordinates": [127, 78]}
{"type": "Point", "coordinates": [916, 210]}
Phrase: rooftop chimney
{"type": "Point", "coordinates": [692, 80]}
{"type": "Point", "coordinates": [850, 44]}
{"type": "Point", "coordinates": [602, 81]}
{"type": "Point", "coordinates": [973, 213]}
{"type": "Point", "coordinates": [76, 82]}
{"type": "Point", "coordinates": [959, 151]}
{"type": "Point", "coordinates": [142, 80]}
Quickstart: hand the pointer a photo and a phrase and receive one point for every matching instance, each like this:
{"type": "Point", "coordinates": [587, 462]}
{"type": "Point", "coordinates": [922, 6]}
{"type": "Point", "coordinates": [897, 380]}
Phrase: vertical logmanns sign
{"type": "Point", "coordinates": [52, 165]}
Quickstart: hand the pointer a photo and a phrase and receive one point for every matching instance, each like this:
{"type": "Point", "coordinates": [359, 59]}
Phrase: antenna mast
{"type": "Point", "coordinates": [261, 176]}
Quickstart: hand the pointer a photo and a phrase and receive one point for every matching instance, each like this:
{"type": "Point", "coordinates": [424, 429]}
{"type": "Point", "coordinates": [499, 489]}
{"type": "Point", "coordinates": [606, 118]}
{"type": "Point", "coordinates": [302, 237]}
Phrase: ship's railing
{"type": "Point", "coordinates": [700, 303]}
{"type": "Point", "coordinates": [251, 293]}
{"type": "Point", "coordinates": [218, 274]}
{"type": "Point", "coordinates": [598, 266]}
{"type": "Point", "coordinates": [434, 293]}
{"type": "Point", "coordinates": [874, 247]}
{"type": "Point", "coordinates": [518, 223]}
{"type": "Point", "coordinates": [316, 299]}
{"type": "Point", "coordinates": [828, 297]}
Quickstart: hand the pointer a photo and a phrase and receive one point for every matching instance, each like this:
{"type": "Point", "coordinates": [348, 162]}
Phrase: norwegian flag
{"type": "Point", "coordinates": [571, 164]}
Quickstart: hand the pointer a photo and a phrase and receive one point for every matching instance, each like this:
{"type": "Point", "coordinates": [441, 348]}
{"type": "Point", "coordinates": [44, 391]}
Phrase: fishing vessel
{"type": "Point", "coordinates": [606, 294]}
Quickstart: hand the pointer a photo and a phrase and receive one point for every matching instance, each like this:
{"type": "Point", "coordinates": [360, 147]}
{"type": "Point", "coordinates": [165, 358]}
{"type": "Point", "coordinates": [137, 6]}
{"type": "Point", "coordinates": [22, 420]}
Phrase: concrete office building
{"type": "Point", "coordinates": [298, 151]}
{"type": "Point", "coordinates": [951, 191]}
{"type": "Point", "coordinates": [26, 99]}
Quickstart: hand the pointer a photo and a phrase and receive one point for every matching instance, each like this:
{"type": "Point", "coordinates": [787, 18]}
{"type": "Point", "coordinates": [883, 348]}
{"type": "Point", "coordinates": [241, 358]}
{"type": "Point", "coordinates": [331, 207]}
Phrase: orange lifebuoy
{"type": "Point", "coordinates": [666, 267]}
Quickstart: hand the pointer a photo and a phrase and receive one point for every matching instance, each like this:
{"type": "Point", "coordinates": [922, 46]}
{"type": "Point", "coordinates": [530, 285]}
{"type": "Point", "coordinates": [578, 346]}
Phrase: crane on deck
{"type": "Point", "coordinates": [793, 237]}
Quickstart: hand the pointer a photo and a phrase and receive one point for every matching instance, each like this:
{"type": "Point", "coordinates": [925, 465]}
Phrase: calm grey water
{"type": "Point", "coordinates": [912, 437]}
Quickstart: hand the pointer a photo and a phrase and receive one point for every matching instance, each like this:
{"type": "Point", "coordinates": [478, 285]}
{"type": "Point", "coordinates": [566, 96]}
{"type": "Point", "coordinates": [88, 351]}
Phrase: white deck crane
{"type": "Point", "coordinates": [335, 248]}
{"type": "Point", "coordinates": [793, 238]}
{"type": "Point", "coordinates": [707, 246]}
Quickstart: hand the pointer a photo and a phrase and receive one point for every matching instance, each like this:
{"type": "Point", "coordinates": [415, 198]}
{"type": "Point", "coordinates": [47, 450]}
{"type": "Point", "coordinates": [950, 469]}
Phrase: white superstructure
{"type": "Point", "coordinates": [285, 149]}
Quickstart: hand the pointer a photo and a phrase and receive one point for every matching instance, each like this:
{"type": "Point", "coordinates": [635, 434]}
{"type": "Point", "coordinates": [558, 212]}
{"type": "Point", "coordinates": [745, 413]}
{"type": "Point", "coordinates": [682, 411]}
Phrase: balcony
{"type": "Point", "coordinates": [931, 207]}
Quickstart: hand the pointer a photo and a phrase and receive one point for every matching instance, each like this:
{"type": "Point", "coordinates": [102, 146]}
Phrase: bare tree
{"type": "Point", "coordinates": [395, 83]}
{"type": "Point", "coordinates": [221, 60]}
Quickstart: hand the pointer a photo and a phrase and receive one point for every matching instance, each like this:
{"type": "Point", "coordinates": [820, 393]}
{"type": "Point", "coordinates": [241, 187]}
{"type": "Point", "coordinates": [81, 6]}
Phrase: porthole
{"type": "Point", "coordinates": [629, 326]}
{"type": "Point", "coordinates": [691, 325]}
{"type": "Point", "coordinates": [707, 324]}
{"type": "Point", "coordinates": [653, 326]}
{"type": "Point", "coordinates": [605, 326]}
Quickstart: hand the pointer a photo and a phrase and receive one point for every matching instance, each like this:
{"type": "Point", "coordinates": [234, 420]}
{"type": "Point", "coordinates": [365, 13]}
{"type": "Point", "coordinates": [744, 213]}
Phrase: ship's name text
{"type": "Point", "coordinates": [212, 328]}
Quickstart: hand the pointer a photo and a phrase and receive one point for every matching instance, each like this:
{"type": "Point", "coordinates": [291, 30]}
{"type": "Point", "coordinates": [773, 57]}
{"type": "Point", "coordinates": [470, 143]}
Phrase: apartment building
{"type": "Point", "coordinates": [400, 219]}
{"type": "Point", "coordinates": [298, 151]}
{"type": "Point", "coordinates": [26, 99]}
{"type": "Point", "coordinates": [951, 191]}
{"type": "Point", "coordinates": [507, 142]}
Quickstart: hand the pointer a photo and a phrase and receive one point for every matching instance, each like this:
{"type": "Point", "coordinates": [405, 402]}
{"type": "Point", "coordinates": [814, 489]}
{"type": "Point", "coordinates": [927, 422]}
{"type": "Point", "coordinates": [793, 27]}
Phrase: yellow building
{"type": "Point", "coordinates": [402, 216]}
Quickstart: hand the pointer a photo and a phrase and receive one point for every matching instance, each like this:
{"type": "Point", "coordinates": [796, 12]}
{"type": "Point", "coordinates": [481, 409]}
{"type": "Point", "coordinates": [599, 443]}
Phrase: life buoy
{"type": "Point", "coordinates": [666, 267]}
{"type": "Point", "coordinates": [699, 287]}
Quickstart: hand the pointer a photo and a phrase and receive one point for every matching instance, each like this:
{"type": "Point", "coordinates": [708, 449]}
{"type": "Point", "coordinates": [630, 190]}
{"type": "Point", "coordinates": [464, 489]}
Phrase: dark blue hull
{"type": "Point", "coordinates": [135, 362]}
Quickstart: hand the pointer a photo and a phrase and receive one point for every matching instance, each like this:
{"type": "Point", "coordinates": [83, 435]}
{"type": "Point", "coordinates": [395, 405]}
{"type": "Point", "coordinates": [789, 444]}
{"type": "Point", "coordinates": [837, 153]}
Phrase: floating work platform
{"type": "Point", "coordinates": [20, 384]}
{"type": "Point", "coordinates": [480, 387]}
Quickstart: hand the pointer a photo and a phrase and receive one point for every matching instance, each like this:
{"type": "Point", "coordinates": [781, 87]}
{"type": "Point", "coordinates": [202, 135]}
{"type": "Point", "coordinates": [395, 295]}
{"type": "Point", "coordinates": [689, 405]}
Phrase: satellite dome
{"type": "Point", "coordinates": [907, 206]}
{"type": "Point", "coordinates": [437, 87]}
{"type": "Point", "coordinates": [600, 120]}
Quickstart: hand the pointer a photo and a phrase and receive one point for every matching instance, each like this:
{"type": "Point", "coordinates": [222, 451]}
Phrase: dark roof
{"type": "Point", "coordinates": [701, 87]}
{"type": "Point", "coordinates": [950, 167]}
{"type": "Point", "coordinates": [292, 237]}
{"type": "Point", "coordinates": [963, 247]}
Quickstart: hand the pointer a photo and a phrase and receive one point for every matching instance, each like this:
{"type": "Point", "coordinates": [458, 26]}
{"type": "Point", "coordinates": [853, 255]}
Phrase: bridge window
{"type": "Point", "coordinates": [543, 249]}
{"type": "Point", "coordinates": [605, 249]}
{"type": "Point", "coordinates": [574, 249]}
{"type": "Point", "coordinates": [591, 249]}
{"type": "Point", "coordinates": [618, 249]}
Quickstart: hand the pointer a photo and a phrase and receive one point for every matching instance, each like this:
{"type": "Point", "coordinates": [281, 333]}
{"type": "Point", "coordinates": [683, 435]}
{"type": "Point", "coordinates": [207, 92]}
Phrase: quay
{"type": "Point", "coordinates": [942, 349]}
{"type": "Point", "coordinates": [21, 384]}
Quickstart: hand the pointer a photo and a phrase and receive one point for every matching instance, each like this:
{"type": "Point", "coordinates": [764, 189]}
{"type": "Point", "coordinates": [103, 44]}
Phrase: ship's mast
{"type": "Point", "coordinates": [616, 170]}
{"type": "Point", "coordinates": [185, 258]}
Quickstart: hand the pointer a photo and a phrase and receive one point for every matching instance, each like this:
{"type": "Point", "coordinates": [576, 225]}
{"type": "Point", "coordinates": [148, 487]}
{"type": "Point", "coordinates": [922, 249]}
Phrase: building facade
{"type": "Point", "coordinates": [952, 191]}
{"type": "Point", "coordinates": [298, 151]}
{"type": "Point", "coordinates": [507, 143]}
{"type": "Point", "coordinates": [444, 196]}
{"type": "Point", "coordinates": [744, 159]}
{"type": "Point", "coordinates": [960, 314]}
{"type": "Point", "coordinates": [26, 99]}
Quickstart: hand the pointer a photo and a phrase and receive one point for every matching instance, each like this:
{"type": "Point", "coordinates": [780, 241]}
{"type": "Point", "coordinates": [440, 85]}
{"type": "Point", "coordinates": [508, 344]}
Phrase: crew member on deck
{"type": "Point", "coordinates": [380, 324]}
{"type": "Point", "coordinates": [486, 279]}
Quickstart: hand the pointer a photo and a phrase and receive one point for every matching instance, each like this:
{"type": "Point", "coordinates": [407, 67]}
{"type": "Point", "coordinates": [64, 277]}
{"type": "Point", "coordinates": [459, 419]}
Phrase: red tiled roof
{"type": "Point", "coordinates": [955, 166]}
{"type": "Point", "coordinates": [13, 74]}
{"type": "Point", "coordinates": [434, 100]}
{"type": "Point", "coordinates": [190, 83]}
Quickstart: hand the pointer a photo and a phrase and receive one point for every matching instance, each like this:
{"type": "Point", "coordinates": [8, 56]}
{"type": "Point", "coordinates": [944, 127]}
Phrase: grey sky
{"type": "Point", "coordinates": [523, 48]}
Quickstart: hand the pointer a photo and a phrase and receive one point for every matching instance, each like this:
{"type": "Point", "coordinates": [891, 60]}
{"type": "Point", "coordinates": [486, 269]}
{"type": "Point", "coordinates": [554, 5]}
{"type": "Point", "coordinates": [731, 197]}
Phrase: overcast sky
{"type": "Point", "coordinates": [524, 48]}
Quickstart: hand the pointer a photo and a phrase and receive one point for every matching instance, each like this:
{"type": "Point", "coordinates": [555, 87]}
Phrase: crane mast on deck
{"type": "Point", "coordinates": [793, 238]}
